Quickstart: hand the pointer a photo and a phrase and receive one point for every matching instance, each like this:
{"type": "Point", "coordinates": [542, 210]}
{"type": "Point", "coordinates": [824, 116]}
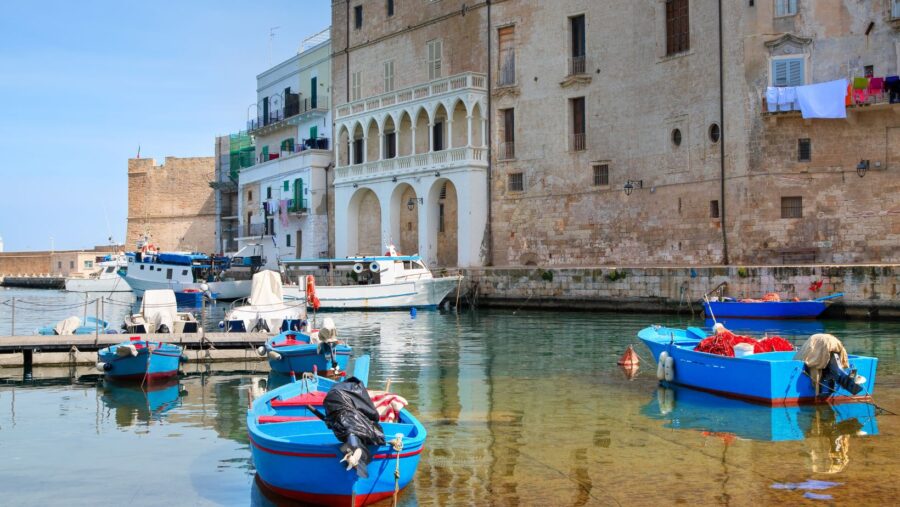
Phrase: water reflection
{"type": "Point", "coordinates": [826, 429]}
{"type": "Point", "coordinates": [135, 404]}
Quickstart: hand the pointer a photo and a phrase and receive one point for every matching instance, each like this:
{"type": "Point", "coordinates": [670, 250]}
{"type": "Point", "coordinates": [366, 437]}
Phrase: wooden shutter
{"type": "Point", "coordinates": [788, 72]}
{"type": "Point", "coordinates": [435, 50]}
{"type": "Point", "coordinates": [389, 76]}
{"type": "Point", "coordinates": [578, 116]}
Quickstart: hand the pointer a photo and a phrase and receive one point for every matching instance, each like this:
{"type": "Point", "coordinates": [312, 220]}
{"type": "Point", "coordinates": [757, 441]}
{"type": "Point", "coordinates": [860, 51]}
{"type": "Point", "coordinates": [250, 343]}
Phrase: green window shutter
{"type": "Point", "coordinates": [314, 132]}
{"type": "Point", "coordinates": [287, 185]}
{"type": "Point", "coordinates": [298, 194]}
{"type": "Point", "coordinates": [265, 153]}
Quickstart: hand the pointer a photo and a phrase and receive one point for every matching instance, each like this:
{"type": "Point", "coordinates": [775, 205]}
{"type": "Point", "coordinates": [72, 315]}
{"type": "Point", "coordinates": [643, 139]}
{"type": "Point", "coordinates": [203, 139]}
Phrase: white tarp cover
{"type": "Point", "coordinates": [266, 289]}
{"type": "Point", "coordinates": [160, 308]}
{"type": "Point", "coordinates": [67, 326]}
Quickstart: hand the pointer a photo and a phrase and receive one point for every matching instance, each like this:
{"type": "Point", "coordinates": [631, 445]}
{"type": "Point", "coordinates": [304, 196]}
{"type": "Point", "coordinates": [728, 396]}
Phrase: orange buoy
{"type": "Point", "coordinates": [629, 358]}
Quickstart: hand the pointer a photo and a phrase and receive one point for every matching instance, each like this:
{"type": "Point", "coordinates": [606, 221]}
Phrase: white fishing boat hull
{"type": "Point", "coordinates": [234, 289]}
{"type": "Point", "coordinates": [424, 293]}
{"type": "Point", "coordinates": [116, 284]}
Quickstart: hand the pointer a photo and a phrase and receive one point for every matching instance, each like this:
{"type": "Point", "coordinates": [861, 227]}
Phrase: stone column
{"type": "Point", "coordinates": [380, 146]}
{"type": "Point", "coordinates": [430, 137]}
{"type": "Point", "coordinates": [365, 150]}
{"type": "Point", "coordinates": [469, 130]}
{"type": "Point", "coordinates": [412, 148]}
{"type": "Point", "coordinates": [449, 134]}
{"type": "Point", "coordinates": [337, 153]}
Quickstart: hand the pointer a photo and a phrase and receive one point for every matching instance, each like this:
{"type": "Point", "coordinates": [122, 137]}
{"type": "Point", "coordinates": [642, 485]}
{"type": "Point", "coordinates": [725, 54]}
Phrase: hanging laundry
{"type": "Point", "coordinates": [772, 99]}
{"type": "Point", "coordinates": [283, 210]}
{"type": "Point", "coordinates": [823, 100]}
{"type": "Point", "coordinates": [787, 98]}
{"type": "Point", "coordinates": [892, 86]}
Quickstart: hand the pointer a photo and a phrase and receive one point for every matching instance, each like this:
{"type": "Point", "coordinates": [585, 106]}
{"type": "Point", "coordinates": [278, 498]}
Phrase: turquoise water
{"type": "Point", "coordinates": [522, 408]}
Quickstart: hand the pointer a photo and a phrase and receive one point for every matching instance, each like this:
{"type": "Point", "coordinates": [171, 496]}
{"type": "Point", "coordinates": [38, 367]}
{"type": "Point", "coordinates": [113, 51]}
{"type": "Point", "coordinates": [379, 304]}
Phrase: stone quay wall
{"type": "Point", "coordinates": [870, 291]}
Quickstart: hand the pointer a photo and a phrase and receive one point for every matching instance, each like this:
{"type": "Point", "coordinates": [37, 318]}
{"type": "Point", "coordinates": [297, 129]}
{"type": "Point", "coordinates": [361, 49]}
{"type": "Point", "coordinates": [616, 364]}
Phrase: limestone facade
{"type": "Point", "coordinates": [172, 203]}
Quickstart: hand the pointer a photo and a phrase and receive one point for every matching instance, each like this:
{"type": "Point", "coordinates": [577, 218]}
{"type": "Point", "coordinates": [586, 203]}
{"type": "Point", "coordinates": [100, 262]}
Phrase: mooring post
{"type": "Point", "coordinates": [202, 316]}
{"type": "Point", "coordinates": [12, 331]}
{"type": "Point", "coordinates": [27, 360]}
{"type": "Point", "coordinates": [84, 317]}
{"type": "Point", "coordinates": [96, 318]}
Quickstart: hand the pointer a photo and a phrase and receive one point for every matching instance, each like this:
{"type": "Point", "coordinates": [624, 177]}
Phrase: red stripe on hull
{"type": "Point", "coordinates": [778, 402]}
{"type": "Point", "coordinates": [140, 376]}
{"type": "Point", "coordinates": [324, 499]}
{"type": "Point", "coordinates": [325, 455]}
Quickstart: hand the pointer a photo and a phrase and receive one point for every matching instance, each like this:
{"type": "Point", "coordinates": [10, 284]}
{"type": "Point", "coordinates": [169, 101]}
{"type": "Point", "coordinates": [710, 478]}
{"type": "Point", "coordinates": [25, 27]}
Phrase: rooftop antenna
{"type": "Point", "coordinates": [271, 40]}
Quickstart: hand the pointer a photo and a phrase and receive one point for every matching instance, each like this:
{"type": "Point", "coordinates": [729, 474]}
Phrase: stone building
{"type": "Point", "coordinates": [282, 195]}
{"type": "Point", "coordinates": [172, 203]}
{"type": "Point", "coordinates": [226, 194]}
{"type": "Point", "coordinates": [410, 106]}
{"type": "Point", "coordinates": [606, 133]}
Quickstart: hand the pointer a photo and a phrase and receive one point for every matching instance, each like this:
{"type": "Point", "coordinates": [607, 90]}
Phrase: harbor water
{"type": "Point", "coordinates": [521, 407]}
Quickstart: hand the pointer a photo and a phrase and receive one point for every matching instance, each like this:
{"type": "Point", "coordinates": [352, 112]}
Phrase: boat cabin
{"type": "Point", "coordinates": [181, 267]}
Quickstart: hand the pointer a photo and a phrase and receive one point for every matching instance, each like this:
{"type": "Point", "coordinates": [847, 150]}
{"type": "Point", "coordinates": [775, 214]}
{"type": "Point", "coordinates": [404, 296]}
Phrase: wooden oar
{"type": "Point", "coordinates": [826, 298]}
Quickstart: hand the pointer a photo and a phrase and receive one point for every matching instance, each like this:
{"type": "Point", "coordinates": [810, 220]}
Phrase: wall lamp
{"type": "Point", "coordinates": [630, 185]}
{"type": "Point", "coordinates": [394, 179]}
{"type": "Point", "coordinates": [411, 203]}
{"type": "Point", "coordinates": [437, 174]}
{"type": "Point", "coordinates": [355, 185]}
{"type": "Point", "coordinates": [862, 167]}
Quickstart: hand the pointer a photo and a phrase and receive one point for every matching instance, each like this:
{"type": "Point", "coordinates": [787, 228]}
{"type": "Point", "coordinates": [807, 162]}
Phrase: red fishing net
{"type": "Point", "coordinates": [772, 344]}
{"type": "Point", "coordinates": [724, 342]}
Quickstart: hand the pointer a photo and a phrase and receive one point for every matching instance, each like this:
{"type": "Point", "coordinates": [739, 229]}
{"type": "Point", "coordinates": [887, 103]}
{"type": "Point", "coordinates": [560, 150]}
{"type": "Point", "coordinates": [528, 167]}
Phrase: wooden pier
{"type": "Point", "coordinates": [26, 351]}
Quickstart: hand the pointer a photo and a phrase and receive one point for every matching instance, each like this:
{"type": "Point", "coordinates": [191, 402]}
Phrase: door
{"type": "Point", "coordinates": [299, 244]}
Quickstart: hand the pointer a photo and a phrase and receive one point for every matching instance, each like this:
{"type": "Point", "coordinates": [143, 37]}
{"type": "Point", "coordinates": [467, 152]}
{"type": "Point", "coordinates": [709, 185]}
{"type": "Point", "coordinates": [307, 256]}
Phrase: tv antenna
{"type": "Point", "coordinates": [271, 40]}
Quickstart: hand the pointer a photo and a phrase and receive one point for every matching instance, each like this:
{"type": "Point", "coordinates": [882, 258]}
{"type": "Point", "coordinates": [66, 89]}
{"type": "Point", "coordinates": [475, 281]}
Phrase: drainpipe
{"type": "Point", "coordinates": [490, 128]}
{"type": "Point", "coordinates": [347, 55]}
{"type": "Point", "coordinates": [722, 131]}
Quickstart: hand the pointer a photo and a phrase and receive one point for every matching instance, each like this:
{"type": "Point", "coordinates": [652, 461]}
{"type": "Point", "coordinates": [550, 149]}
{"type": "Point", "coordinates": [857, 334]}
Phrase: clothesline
{"type": "Point", "coordinates": [830, 99]}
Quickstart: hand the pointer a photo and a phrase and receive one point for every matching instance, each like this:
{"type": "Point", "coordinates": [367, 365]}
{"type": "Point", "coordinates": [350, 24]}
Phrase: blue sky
{"type": "Point", "coordinates": [82, 84]}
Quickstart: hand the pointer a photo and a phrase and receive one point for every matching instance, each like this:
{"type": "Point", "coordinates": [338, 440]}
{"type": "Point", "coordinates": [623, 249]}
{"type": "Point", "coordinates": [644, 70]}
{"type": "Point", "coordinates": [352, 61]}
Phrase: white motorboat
{"type": "Point", "coordinates": [181, 271]}
{"type": "Point", "coordinates": [375, 283]}
{"type": "Point", "coordinates": [159, 314]}
{"type": "Point", "coordinates": [108, 278]}
{"type": "Point", "coordinates": [265, 309]}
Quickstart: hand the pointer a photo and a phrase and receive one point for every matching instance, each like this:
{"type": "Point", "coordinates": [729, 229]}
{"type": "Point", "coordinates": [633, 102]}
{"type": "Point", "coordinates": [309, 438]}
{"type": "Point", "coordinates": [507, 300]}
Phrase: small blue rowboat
{"type": "Point", "coordinates": [291, 351]}
{"type": "Point", "coordinates": [297, 456]}
{"type": "Point", "coordinates": [683, 408]}
{"type": "Point", "coordinates": [767, 309]}
{"type": "Point", "coordinates": [771, 378]}
{"type": "Point", "coordinates": [140, 359]}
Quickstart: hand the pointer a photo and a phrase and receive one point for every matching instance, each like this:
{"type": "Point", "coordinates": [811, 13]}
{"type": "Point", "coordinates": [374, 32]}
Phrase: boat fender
{"type": "Point", "coordinates": [670, 369]}
{"type": "Point", "coordinates": [374, 267]}
{"type": "Point", "coordinates": [661, 365]}
{"type": "Point", "coordinates": [222, 325]}
{"type": "Point", "coordinates": [261, 351]}
{"type": "Point", "coordinates": [274, 356]}
{"type": "Point", "coordinates": [183, 358]}
{"type": "Point", "coordinates": [126, 350]}
{"type": "Point", "coordinates": [358, 268]}
{"type": "Point", "coordinates": [103, 367]}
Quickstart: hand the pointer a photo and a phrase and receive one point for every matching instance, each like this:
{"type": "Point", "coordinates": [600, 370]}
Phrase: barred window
{"type": "Point", "coordinates": [792, 207]}
{"type": "Point", "coordinates": [601, 175]}
{"type": "Point", "coordinates": [516, 182]}
{"type": "Point", "coordinates": [804, 150]}
{"type": "Point", "coordinates": [714, 209]}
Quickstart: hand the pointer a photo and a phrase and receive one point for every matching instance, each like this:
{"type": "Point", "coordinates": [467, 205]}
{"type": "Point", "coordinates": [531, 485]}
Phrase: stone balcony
{"type": "Point", "coordinates": [432, 89]}
{"type": "Point", "coordinates": [456, 158]}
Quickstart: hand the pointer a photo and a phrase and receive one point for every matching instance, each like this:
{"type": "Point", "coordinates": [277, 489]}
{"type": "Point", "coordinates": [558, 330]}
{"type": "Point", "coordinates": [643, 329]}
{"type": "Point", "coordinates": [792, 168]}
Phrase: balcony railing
{"type": "Point", "coordinates": [297, 206]}
{"type": "Point", "coordinates": [321, 143]}
{"type": "Point", "coordinates": [507, 74]}
{"type": "Point", "coordinates": [302, 107]}
{"type": "Point", "coordinates": [507, 151]}
{"type": "Point", "coordinates": [413, 163]}
{"type": "Point", "coordinates": [434, 88]}
{"type": "Point", "coordinates": [578, 142]}
{"type": "Point", "coordinates": [577, 65]}
{"type": "Point", "coordinates": [254, 230]}
{"type": "Point", "coordinates": [866, 94]}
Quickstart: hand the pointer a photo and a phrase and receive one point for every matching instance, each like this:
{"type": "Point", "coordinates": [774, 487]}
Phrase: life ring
{"type": "Point", "coordinates": [311, 298]}
{"type": "Point", "coordinates": [358, 268]}
{"type": "Point", "coordinates": [374, 267]}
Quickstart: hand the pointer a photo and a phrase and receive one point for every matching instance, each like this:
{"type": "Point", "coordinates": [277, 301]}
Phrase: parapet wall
{"type": "Point", "coordinates": [870, 291]}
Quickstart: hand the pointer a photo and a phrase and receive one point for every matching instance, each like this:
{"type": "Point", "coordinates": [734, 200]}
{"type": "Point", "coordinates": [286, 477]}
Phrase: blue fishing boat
{"type": "Point", "coordinates": [298, 352]}
{"type": "Point", "coordinates": [688, 409]}
{"type": "Point", "coordinates": [297, 456]}
{"type": "Point", "coordinates": [139, 360]}
{"type": "Point", "coordinates": [729, 307]}
{"type": "Point", "coordinates": [771, 378]}
{"type": "Point", "coordinates": [780, 327]}
{"type": "Point", "coordinates": [74, 325]}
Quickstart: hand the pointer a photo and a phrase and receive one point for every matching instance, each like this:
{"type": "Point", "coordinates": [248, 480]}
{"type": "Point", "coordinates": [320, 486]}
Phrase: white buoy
{"type": "Point", "coordinates": [100, 367]}
{"type": "Point", "coordinates": [274, 356]}
{"type": "Point", "coordinates": [261, 350]}
{"type": "Point", "coordinates": [661, 365]}
{"type": "Point", "coordinates": [670, 369]}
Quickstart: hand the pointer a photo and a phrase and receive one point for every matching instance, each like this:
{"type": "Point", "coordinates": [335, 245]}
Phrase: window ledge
{"type": "Point", "coordinates": [576, 79]}
{"type": "Point", "coordinates": [675, 56]}
{"type": "Point", "coordinates": [503, 90]}
{"type": "Point", "coordinates": [786, 16]}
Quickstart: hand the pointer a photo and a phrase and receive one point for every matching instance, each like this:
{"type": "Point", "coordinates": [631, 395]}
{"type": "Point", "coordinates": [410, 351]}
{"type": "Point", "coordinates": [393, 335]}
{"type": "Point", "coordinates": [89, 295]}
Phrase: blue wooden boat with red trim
{"type": "Point", "coordinates": [771, 378]}
{"type": "Point", "coordinates": [729, 307]}
{"type": "Point", "coordinates": [298, 457]}
{"type": "Point", "coordinates": [293, 351]}
{"type": "Point", "coordinates": [140, 360]}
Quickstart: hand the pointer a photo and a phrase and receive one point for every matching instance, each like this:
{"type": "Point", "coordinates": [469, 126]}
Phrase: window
{"type": "Point", "coordinates": [168, 273]}
{"type": "Point", "coordinates": [390, 8]}
{"type": "Point", "coordinates": [676, 137]}
{"type": "Point", "coordinates": [288, 145]}
{"type": "Point", "coordinates": [357, 151]}
{"type": "Point", "coordinates": [286, 186]}
{"type": "Point", "coordinates": [268, 192]}
{"type": "Point", "coordinates": [435, 54]}
{"type": "Point", "coordinates": [516, 182]}
{"type": "Point", "coordinates": [183, 272]}
{"type": "Point", "coordinates": [577, 58]}
{"type": "Point", "coordinates": [438, 136]}
{"type": "Point", "coordinates": [804, 150]}
{"type": "Point", "coordinates": [88, 264]}
{"type": "Point", "coordinates": [142, 267]}
{"type": "Point", "coordinates": [249, 195]}
{"type": "Point", "coordinates": [443, 194]}
{"type": "Point", "coordinates": [388, 76]}
{"type": "Point", "coordinates": [357, 17]}
{"type": "Point", "coordinates": [355, 85]}
{"type": "Point", "coordinates": [785, 8]}
{"type": "Point", "coordinates": [270, 225]}
{"type": "Point", "coordinates": [787, 72]}
{"type": "Point", "coordinates": [895, 9]}
{"type": "Point", "coordinates": [287, 240]}
{"type": "Point", "coordinates": [601, 175]}
{"type": "Point", "coordinates": [714, 133]}
{"type": "Point", "coordinates": [714, 209]}
{"type": "Point", "coordinates": [390, 145]}
{"type": "Point", "coordinates": [506, 39]}
{"type": "Point", "coordinates": [508, 146]}
{"type": "Point", "coordinates": [59, 265]}
{"type": "Point", "coordinates": [578, 124]}
{"type": "Point", "coordinates": [792, 207]}
{"type": "Point", "coordinates": [441, 217]}
{"type": "Point", "coordinates": [869, 71]}
{"type": "Point", "coordinates": [71, 264]}
{"type": "Point", "coordinates": [677, 27]}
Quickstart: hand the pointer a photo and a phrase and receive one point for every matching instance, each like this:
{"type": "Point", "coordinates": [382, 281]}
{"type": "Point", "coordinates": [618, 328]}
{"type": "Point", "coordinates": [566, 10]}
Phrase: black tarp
{"type": "Point", "coordinates": [351, 415]}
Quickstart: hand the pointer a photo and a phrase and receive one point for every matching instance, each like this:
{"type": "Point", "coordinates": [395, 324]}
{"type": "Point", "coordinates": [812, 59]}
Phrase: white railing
{"type": "Point", "coordinates": [413, 163]}
{"type": "Point", "coordinates": [431, 89]}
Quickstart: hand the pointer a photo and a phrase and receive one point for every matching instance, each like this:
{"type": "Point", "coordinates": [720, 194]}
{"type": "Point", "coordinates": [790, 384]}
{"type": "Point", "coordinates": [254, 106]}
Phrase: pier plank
{"type": "Point", "coordinates": [190, 341]}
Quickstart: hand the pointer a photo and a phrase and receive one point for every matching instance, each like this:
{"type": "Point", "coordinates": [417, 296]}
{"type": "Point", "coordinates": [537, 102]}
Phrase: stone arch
{"type": "Point", "coordinates": [421, 120]}
{"type": "Point", "coordinates": [458, 134]}
{"type": "Point", "coordinates": [372, 134]}
{"type": "Point", "coordinates": [405, 219]}
{"type": "Point", "coordinates": [364, 223]}
{"type": "Point", "coordinates": [405, 127]}
{"type": "Point", "coordinates": [390, 134]}
{"type": "Point", "coordinates": [343, 144]}
{"type": "Point", "coordinates": [440, 129]}
{"type": "Point", "coordinates": [476, 111]}
{"type": "Point", "coordinates": [443, 206]}
{"type": "Point", "coordinates": [357, 156]}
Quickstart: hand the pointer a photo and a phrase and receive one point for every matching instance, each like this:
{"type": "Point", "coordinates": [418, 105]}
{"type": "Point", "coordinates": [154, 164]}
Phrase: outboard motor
{"type": "Point", "coordinates": [352, 417]}
{"type": "Point", "coordinates": [833, 375]}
